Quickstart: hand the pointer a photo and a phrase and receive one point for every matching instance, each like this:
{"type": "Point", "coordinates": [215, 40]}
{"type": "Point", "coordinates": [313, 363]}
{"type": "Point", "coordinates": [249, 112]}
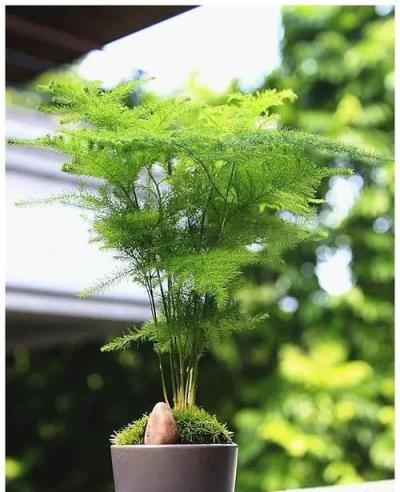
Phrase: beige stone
{"type": "Point", "coordinates": [161, 426]}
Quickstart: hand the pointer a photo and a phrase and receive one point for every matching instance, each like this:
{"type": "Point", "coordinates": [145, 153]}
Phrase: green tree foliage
{"type": "Point", "coordinates": [189, 196]}
{"type": "Point", "coordinates": [318, 386]}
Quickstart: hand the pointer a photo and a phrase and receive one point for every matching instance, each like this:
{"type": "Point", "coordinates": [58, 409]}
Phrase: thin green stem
{"type": "Point", "coordinates": [164, 388]}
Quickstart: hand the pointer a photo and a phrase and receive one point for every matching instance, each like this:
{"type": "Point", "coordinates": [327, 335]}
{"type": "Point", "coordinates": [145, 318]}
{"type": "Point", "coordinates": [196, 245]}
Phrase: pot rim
{"type": "Point", "coordinates": [169, 446]}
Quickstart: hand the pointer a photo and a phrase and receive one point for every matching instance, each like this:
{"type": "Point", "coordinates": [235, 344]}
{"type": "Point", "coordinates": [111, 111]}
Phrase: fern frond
{"type": "Point", "coordinates": [106, 283]}
{"type": "Point", "coordinates": [304, 142]}
{"type": "Point", "coordinates": [211, 272]}
{"type": "Point", "coordinates": [122, 342]}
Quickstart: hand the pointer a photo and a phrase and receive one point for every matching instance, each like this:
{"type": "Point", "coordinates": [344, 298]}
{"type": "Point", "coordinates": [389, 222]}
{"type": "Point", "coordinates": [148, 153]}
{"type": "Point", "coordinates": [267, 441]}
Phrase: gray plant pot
{"type": "Point", "coordinates": [175, 468]}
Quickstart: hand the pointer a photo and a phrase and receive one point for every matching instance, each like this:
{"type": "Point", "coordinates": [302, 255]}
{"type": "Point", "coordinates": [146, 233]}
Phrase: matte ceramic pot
{"type": "Point", "coordinates": [175, 468]}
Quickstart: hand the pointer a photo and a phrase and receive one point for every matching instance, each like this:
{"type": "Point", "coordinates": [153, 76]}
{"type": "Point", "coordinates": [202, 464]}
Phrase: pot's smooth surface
{"type": "Point", "coordinates": [175, 468]}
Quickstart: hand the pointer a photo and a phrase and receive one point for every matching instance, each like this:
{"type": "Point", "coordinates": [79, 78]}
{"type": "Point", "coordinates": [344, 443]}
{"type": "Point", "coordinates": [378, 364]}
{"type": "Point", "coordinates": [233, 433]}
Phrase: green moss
{"type": "Point", "coordinates": [195, 426]}
{"type": "Point", "coordinates": [133, 433]}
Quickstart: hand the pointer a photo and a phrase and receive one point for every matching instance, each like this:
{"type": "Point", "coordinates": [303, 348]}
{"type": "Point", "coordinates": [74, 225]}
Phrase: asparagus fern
{"type": "Point", "coordinates": [189, 195]}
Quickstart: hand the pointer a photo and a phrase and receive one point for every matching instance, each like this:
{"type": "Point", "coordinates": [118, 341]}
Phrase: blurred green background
{"type": "Point", "coordinates": [310, 394]}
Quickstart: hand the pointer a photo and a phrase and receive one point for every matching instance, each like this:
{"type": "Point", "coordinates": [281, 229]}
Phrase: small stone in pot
{"type": "Point", "coordinates": [161, 426]}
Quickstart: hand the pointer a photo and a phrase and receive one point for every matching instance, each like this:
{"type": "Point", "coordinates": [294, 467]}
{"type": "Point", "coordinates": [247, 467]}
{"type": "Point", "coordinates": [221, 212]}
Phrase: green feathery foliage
{"type": "Point", "coordinates": [121, 343]}
{"type": "Point", "coordinates": [195, 426]}
{"type": "Point", "coordinates": [189, 195]}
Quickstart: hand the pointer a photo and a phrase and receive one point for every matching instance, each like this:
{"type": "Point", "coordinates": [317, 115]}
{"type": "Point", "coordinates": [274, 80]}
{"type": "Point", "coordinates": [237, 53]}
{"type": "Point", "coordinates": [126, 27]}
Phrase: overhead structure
{"type": "Point", "coordinates": [40, 38]}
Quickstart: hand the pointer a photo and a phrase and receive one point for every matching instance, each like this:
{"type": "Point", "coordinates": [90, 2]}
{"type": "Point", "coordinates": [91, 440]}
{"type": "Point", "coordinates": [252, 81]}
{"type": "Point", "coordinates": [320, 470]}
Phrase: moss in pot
{"type": "Point", "coordinates": [189, 196]}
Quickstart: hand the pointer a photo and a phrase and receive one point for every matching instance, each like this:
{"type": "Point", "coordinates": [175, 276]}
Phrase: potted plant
{"type": "Point", "coordinates": [189, 196]}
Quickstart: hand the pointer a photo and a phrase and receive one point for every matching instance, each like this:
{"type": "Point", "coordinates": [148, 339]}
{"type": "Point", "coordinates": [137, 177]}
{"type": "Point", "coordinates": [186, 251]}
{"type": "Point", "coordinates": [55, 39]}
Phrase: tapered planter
{"type": "Point", "coordinates": [175, 468]}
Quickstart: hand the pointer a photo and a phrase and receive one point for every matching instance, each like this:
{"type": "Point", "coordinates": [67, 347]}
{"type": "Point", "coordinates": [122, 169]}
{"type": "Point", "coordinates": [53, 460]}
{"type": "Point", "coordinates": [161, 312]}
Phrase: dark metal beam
{"type": "Point", "coordinates": [31, 62]}
{"type": "Point", "coordinates": [49, 35]}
